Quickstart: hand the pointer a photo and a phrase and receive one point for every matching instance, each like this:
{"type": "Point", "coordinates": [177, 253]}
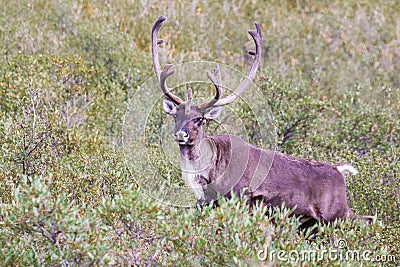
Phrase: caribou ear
{"type": "Point", "coordinates": [212, 113]}
{"type": "Point", "coordinates": [169, 106]}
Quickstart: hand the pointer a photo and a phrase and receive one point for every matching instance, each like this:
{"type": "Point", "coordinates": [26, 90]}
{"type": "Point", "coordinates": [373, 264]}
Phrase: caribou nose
{"type": "Point", "coordinates": [181, 136]}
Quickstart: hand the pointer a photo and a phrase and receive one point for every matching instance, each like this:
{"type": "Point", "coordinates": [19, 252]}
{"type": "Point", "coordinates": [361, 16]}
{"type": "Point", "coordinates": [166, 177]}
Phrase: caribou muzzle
{"type": "Point", "coordinates": [181, 137]}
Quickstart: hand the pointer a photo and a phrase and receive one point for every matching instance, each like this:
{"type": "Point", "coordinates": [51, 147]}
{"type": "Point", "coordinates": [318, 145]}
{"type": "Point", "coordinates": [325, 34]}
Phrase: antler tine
{"type": "Point", "coordinates": [257, 37]}
{"type": "Point", "coordinates": [189, 101]}
{"type": "Point", "coordinates": [216, 80]}
{"type": "Point", "coordinates": [164, 74]}
{"type": "Point", "coordinates": [154, 45]}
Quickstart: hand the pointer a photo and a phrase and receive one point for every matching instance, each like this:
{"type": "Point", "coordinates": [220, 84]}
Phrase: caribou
{"type": "Point", "coordinates": [224, 164]}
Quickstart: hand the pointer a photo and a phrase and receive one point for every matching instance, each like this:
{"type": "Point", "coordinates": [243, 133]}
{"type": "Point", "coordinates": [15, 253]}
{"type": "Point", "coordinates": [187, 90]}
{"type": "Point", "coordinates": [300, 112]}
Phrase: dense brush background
{"type": "Point", "coordinates": [330, 72]}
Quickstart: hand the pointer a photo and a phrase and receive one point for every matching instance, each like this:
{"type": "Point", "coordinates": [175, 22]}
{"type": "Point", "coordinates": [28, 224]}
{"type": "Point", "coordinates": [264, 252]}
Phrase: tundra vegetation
{"type": "Point", "coordinates": [330, 74]}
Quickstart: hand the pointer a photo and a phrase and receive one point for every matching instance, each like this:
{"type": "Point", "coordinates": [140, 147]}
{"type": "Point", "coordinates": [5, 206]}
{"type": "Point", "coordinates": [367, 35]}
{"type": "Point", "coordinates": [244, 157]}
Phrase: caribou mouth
{"type": "Point", "coordinates": [183, 143]}
{"type": "Point", "coordinates": [181, 137]}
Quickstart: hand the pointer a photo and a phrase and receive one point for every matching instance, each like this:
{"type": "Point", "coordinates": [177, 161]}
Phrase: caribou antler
{"type": "Point", "coordinates": [216, 80]}
{"type": "Point", "coordinates": [165, 73]}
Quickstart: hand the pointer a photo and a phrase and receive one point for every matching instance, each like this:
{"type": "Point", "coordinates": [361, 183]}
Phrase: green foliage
{"type": "Point", "coordinates": [39, 228]}
{"type": "Point", "coordinates": [297, 110]}
{"type": "Point", "coordinates": [68, 71]}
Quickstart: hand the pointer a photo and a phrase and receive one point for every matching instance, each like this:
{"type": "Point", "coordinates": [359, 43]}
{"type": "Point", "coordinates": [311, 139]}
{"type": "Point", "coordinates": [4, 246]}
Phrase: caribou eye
{"type": "Point", "coordinates": [203, 120]}
{"type": "Point", "coordinates": [199, 120]}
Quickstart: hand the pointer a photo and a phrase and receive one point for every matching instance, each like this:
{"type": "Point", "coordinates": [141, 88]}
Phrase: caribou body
{"type": "Point", "coordinates": [221, 164]}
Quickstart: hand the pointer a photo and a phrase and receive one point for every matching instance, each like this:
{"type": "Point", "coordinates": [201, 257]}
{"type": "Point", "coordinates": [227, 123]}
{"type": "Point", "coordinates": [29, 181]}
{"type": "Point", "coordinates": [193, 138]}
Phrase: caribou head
{"type": "Point", "coordinates": [189, 120]}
